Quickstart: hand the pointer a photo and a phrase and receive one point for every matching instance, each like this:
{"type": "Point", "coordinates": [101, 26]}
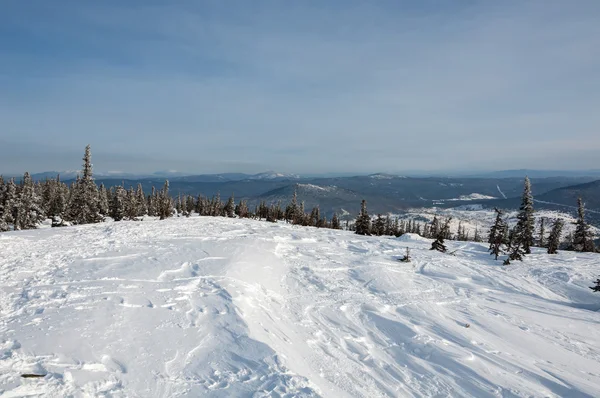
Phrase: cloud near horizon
{"type": "Point", "coordinates": [300, 87]}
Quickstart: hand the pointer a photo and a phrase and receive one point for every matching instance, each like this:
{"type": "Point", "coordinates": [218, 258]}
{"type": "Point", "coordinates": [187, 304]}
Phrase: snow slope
{"type": "Point", "coordinates": [226, 308]}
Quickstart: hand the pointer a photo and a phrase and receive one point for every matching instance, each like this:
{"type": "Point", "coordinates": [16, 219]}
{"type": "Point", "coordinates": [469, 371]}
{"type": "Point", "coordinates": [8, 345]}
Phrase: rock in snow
{"type": "Point", "coordinates": [226, 308]}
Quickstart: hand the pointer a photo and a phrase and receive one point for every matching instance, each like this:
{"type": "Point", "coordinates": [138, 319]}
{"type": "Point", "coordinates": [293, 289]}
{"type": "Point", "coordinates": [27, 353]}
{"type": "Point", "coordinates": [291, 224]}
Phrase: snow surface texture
{"type": "Point", "coordinates": [238, 308]}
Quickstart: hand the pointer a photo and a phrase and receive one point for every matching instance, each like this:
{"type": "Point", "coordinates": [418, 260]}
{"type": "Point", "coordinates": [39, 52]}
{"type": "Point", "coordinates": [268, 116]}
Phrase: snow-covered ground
{"type": "Point", "coordinates": [228, 308]}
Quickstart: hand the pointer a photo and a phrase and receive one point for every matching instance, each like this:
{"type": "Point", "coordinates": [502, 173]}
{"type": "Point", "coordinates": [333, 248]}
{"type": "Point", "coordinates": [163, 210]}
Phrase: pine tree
{"type": "Point", "coordinates": [165, 202]}
{"type": "Point", "coordinates": [83, 207]}
{"type": "Point", "coordinates": [242, 210]}
{"type": "Point", "coordinates": [516, 250]}
{"type": "Point", "coordinates": [363, 221]}
{"type": "Point", "coordinates": [542, 234]}
{"type": "Point", "coordinates": [476, 236]}
{"type": "Point", "coordinates": [434, 229]}
{"type": "Point", "coordinates": [583, 240]}
{"type": "Point", "coordinates": [292, 210]}
{"type": "Point", "coordinates": [439, 243]}
{"type": "Point", "coordinates": [30, 212]}
{"type": "Point", "coordinates": [497, 236]}
{"type": "Point", "coordinates": [379, 226]}
{"type": "Point", "coordinates": [11, 206]}
{"type": "Point", "coordinates": [229, 208]}
{"type": "Point", "coordinates": [597, 287]}
{"type": "Point", "coordinates": [131, 205]}
{"type": "Point", "coordinates": [142, 207]}
{"type": "Point", "coordinates": [554, 238]}
{"type": "Point", "coordinates": [335, 222]}
{"type": "Point", "coordinates": [117, 204]}
{"type": "Point", "coordinates": [103, 204]}
{"type": "Point", "coordinates": [523, 233]}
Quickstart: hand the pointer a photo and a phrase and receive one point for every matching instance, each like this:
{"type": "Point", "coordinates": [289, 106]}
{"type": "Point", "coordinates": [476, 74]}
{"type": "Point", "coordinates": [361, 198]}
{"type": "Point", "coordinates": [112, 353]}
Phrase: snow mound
{"type": "Point", "coordinates": [227, 308]}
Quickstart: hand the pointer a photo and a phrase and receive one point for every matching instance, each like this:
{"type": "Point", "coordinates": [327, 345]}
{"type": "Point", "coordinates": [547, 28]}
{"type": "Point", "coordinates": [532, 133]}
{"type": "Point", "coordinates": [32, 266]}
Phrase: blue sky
{"type": "Point", "coordinates": [299, 86]}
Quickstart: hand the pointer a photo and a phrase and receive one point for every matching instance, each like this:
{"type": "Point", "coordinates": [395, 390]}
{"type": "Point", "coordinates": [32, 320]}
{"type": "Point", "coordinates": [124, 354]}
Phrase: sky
{"type": "Point", "coordinates": [299, 86]}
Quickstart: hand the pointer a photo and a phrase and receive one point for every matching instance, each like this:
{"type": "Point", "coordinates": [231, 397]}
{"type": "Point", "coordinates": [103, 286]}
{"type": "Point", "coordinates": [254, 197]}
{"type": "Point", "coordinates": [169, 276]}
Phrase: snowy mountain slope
{"type": "Point", "coordinates": [226, 307]}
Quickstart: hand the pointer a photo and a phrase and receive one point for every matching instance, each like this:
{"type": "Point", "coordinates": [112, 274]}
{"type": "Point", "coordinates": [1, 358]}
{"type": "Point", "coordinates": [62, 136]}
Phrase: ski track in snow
{"type": "Point", "coordinates": [223, 308]}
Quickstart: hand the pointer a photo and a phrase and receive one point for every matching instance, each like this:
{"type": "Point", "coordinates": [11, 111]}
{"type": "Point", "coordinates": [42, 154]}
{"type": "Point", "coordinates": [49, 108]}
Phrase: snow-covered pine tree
{"type": "Point", "coordinates": [379, 226]}
{"type": "Point", "coordinates": [142, 207]}
{"type": "Point", "coordinates": [30, 212]}
{"type": "Point", "coordinates": [117, 204]}
{"type": "Point", "coordinates": [229, 208]}
{"type": "Point", "coordinates": [165, 202]}
{"type": "Point", "coordinates": [335, 221]}
{"type": "Point", "coordinates": [434, 229]}
{"type": "Point", "coordinates": [554, 237]}
{"type": "Point", "coordinates": [388, 226]}
{"type": "Point", "coordinates": [189, 205]}
{"type": "Point", "coordinates": [153, 203]}
{"type": "Point", "coordinates": [516, 250]}
{"type": "Point", "coordinates": [292, 210]}
{"type": "Point", "coordinates": [242, 209]}
{"type": "Point", "coordinates": [476, 235]}
{"type": "Point", "coordinates": [131, 205]}
{"type": "Point", "coordinates": [439, 244]}
{"type": "Point", "coordinates": [583, 239]}
{"type": "Point", "coordinates": [103, 203]}
{"type": "Point", "coordinates": [523, 233]}
{"type": "Point", "coordinates": [542, 233]}
{"type": "Point", "coordinates": [83, 207]}
{"type": "Point", "coordinates": [11, 206]}
{"type": "Point", "coordinates": [396, 227]}
{"type": "Point", "coordinates": [363, 221]}
{"type": "Point", "coordinates": [497, 237]}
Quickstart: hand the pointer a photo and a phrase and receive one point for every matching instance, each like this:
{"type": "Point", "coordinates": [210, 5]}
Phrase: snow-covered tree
{"type": "Point", "coordinates": [131, 205]}
{"type": "Point", "coordinates": [363, 221]}
{"type": "Point", "coordinates": [229, 208]}
{"type": "Point", "coordinates": [523, 233]}
{"type": "Point", "coordinates": [242, 210]}
{"type": "Point", "coordinates": [10, 206]}
{"type": "Point", "coordinates": [335, 221]}
{"type": "Point", "coordinates": [583, 239]}
{"type": "Point", "coordinates": [379, 226]}
{"type": "Point", "coordinates": [117, 205]}
{"type": "Point", "coordinates": [497, 236]}
{"type": "Point", "coordinates": [165, 202]}
{"type": "Point", "coordinates": [30, 212]}
{"type": "Point", "coordinates": [439, 244]}
{"type": "Point", "coordinates": [83, 206]}
{"type": "Point", "coordinates": [140, 198]}
{"type": "Point", "coordinates": [542, 233]}
{"type": "Point", "coordinates": [554, 237]}
{"type": "Point", "coordinates": [103, 204]}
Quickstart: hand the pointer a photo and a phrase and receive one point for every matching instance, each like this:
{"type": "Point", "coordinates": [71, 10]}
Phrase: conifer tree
{"type": "Point", "coordinates": [230, 207]}
{"type": "Point", "coordinates": [315, 216]}
{"type": "Point", "coordinates": [29, 213]}
{"type": "Point", "coordinates": [142, 207]}
{"type": "Point", "coordinates": [11, 206]}
{"type": "Point", "coordinates": [476, 236]}
{"type": "Point", "coordinates": [131, 206]}
{"type": "Point", "coordinates": [434, 229]}
{"type": "Point", "coordinates": [117, 204]}
{"type": "Point", "coordinates": [242, 210]}
{"type": "Point", "coordinates": [583, 240]}
{"type": "Point", "coordinates": [165, 202]}
{"type": "Point", "coordinates": [523, 233]}
{"type": "Point", "coordinates": [335, 222]}
{"type": "Point", "coordinates": [83, 206]}
{"type": "Point", "coordinates": [363, 221]}
{"type": "Point", "coordinates": [379, 226]}
{"type": "Point", "coordinates": [439, 244]}
{"type": "Point", "coordinates": [189, 205]}
{"type": "Point", "coordinates": [497, 237]}
{"type": "Point", "coordinates": [103, 204]}
{"type": "Point", "coordinates": [597, 287]}
{"type": "Point", "coordinates": [554, 238]}
{"type": "Point", "coordinates": [516, 250]}
{"type": "Point", "coordinates": [292, 210]}
{"type": "Point", "coordinates": [542, 234]}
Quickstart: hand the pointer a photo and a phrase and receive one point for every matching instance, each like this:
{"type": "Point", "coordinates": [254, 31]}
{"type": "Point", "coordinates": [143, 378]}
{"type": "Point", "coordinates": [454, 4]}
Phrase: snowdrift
{"type": "Point", "coordinates": [227, 308]}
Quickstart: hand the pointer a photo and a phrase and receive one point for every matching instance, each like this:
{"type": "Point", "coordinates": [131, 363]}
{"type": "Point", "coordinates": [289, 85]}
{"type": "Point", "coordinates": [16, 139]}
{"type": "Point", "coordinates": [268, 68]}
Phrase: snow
{"type": "Point", "coordinates": [473, 196]}
{"type": "Point", "coordinates": [312, 187]}
{"type": "Point", "coordinates": [224, 308]}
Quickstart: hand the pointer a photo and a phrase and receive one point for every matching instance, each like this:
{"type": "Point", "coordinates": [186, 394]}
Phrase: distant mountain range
{"type": "Point", "coordinates": [384, 192]}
